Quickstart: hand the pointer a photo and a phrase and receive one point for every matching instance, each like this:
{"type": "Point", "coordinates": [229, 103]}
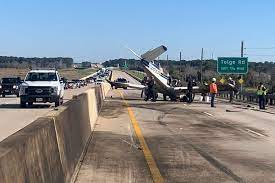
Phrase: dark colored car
{"type": "Point", "coordinates": [118, 83]}
{"type": "Point", "coordinates": [10, 86]}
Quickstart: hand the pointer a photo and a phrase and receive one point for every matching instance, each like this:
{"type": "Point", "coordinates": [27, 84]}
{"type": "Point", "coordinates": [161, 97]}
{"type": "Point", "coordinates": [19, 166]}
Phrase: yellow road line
{"type": "Point", "coordinates": [146, 151]}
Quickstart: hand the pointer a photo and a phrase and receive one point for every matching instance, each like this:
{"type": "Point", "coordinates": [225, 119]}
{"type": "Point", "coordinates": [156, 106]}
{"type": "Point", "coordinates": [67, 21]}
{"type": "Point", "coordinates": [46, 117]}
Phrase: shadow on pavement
{"type": "Point", "coordinates": [17, 106]}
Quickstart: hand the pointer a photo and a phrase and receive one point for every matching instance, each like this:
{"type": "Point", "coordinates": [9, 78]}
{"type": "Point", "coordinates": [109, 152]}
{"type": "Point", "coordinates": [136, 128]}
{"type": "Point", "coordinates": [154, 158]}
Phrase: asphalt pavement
{"type": "Point", "coordinates": [163, 141]}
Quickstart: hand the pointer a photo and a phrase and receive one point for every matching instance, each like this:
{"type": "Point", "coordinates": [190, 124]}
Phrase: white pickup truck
{"type": "Point", "coordinates": [41, 86]}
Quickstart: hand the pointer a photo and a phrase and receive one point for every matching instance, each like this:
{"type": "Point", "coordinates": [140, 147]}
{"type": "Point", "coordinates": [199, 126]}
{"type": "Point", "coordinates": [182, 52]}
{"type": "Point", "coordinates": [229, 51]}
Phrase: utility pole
{"type": "Point", "coordinates": [180, 69]}
{"type": "Point", "coordinates": [242, 49]}
{"type": "Point", "coordinates": [242, 56]}
{"type": "Point", "coordinates": [201, 64]}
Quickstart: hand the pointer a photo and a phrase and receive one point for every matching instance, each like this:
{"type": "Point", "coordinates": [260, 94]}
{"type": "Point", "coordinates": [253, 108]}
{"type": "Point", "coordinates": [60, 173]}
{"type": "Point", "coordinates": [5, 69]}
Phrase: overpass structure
{"type": "Point", "coordinates": [105, 135]}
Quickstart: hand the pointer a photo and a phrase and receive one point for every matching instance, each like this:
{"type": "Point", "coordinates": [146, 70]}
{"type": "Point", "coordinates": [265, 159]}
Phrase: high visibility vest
{"type": "Point", "coordinates": [262, 91]}
{"type": "Point", "coordinates": [213, 88]}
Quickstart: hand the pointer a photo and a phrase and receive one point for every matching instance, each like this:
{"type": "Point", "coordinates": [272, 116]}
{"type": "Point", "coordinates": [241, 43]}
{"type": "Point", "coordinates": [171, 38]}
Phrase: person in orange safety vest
{"type": "Point", "coordinates": [213, 91]}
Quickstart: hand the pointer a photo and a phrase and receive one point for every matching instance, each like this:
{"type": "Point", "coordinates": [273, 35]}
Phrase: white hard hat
{"type": "Point", "coordinates": [214, 79]}
{"type": "Point", "coordinates": [229, 78]}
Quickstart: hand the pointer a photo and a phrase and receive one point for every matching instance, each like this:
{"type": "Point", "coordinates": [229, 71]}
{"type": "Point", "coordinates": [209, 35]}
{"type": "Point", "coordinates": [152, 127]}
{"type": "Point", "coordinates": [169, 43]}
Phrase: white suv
{"type": "Point", "coordinates": [42, 86]}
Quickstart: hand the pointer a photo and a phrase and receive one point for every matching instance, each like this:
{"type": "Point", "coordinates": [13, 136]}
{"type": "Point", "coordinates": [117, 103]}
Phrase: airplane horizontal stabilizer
{"type": "Point", "coordinates": [153, 54]}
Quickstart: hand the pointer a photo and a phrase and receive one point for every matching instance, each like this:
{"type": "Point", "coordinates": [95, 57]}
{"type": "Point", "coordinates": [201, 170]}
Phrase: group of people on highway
{"type": "Point", "coordinates": [213, 90]}
{"type": "Point", "coordinates": [261, 92]}
{"type": "Point", "coordinates": [151, 93]}
{"type": "Point", "coordinates": [151, 88]}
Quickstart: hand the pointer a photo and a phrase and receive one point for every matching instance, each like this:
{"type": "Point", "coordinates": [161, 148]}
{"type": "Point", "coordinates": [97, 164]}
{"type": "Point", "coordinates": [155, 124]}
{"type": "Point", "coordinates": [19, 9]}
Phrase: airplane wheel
{"type": "Point", "coordinates": [193, 97]}
{"type": "Point", "coordinates": [156, 96]}
{"type": "Point", "coordinates": [184, 99]}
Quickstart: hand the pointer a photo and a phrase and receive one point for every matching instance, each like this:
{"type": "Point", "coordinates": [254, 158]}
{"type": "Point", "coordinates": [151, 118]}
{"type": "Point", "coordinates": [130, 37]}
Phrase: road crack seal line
{"type": "Point", "coordinates": [217, 164]}
{"type": "Point", "coordinates": [208, 157]}
{"type": "Point", "coordinates": [208, 114]}
{"type": "Point", "coordinates": [211, 159]}
{"type": "Point", "coordinates": [154, 170]}
{"type": "Point", "coordinates": [256, 133]}
{"type": "Point", "coordinates": [131, 144]}
{"type": "Point", "coordinates": [249, 132]}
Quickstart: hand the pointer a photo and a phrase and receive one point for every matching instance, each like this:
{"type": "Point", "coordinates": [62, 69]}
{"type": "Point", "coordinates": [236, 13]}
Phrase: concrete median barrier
{"type": "Point", "coordinates": [50, 148]}
{"type": "Point", "coordinates": [31, 155]}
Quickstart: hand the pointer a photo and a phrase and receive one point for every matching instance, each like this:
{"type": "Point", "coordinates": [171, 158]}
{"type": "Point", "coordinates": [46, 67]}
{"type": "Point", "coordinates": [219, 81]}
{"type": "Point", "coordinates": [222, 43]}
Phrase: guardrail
{"type": "Point", "coordinates": [248, 97]}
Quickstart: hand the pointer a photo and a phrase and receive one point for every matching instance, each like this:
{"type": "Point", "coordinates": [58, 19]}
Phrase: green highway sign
{"type": "Point", "coordinates": [232, 65]}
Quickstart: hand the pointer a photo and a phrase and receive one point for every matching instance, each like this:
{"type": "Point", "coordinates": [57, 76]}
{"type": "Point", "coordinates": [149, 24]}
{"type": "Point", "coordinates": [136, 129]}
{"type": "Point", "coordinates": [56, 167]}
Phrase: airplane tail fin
{"type": "Point", "coordinates": [153, 54]}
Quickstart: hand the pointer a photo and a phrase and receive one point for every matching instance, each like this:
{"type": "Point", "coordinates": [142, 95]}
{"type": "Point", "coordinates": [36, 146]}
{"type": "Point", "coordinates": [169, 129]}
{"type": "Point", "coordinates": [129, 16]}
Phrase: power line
{"type": "Point", "coordinates": [267, 48]}
{"type": "Point", "coordinates": [260, 55]}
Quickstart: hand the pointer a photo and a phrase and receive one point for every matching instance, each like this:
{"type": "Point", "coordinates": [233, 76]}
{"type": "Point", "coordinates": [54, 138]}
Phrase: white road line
{"type": "Point", "coordinates": [208, 114]}
{"type": "Point", "coordinates": [256, 133]}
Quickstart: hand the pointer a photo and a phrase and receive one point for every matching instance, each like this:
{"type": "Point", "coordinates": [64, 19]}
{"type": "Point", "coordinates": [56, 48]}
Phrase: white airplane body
{"type": "Point", "coordinates": [160, 78]}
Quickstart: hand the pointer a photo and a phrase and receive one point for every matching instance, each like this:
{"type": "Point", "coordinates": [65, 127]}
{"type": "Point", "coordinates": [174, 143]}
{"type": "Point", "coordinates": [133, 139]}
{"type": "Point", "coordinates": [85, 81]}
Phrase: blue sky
{"type": "Point", "coordinates": [97, 30]}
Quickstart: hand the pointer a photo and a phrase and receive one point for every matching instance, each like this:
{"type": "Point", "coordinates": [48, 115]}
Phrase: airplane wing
{"type": "Point", "coordinates": [205, 88]}
{"type": "Point", "coordinates": [135, 86]}
{"type": "Point", "coordinates": [128, 85]}
{"type": "Point", "coordinates": [153, 54]}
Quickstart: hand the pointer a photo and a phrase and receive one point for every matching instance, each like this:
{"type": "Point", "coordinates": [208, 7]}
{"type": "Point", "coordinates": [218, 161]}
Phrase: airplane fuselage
{"type": "Point", "coordinates": [160, 79]}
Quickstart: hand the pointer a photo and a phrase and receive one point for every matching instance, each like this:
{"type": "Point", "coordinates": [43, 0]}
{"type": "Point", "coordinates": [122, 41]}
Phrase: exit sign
{"type": "Point", "coordinates": [232, 65]}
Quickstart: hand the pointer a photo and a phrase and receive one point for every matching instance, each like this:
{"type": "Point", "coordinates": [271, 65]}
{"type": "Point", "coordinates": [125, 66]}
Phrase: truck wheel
{"type": "Point", "coordinates": [23, 104]}
{"type": "Point", "coordinates": [30, 104]}
{"type": "Point", "coordinates": [3, 95]}
{"type": "Point", "coordinates": [57, 102]}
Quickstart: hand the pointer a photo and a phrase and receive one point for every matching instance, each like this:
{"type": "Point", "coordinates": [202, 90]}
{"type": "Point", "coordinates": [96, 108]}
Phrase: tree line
{"type": "Point", "coordinates": [21, 62]}
{"type": "Point", "coordinates": [258, 71]}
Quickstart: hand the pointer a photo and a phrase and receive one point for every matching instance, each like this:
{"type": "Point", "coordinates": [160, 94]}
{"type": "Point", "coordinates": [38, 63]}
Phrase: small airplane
{"type": "Point", "coordinates": [161, 79]}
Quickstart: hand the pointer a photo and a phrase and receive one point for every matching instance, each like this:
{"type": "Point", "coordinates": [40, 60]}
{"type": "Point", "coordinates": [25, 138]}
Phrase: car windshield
{"type": "Point", "coordinates": [34, 76]}
{"type": "Point", "coordinates": [121, 80]}
{"type": "Point", "coordinates": [9, 80]}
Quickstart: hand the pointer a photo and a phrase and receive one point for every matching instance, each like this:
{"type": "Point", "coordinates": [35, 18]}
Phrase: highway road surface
{"type": "Point", "coordinates": [138, 141]}
{"type": "Point", "coordinates": [14, 118]}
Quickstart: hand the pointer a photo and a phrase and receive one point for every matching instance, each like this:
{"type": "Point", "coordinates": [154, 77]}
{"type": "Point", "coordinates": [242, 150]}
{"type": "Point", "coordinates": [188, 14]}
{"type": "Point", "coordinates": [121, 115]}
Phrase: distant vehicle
{"type": "Point", "coordinates": [118, 83]}
{"type": "Point", "coordinates": [42, 86]}
{"type": "Point", "coordinates": [83, 83]}
{"type": "Point", "coordinates": [10, 86]}
{"type": "Point", "coordinates": [99, 81]}
{"type": "Point", "coordinates": [71, 85]}
{"type": "Point", "coordinates": [77, 82]}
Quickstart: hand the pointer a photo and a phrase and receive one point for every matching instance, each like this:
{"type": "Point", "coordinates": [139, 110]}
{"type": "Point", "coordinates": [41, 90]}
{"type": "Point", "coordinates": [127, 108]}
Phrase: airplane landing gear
{"type": "Point", "coordinates": [164, 97]}
{"type": "Point", "coordinates": [186, 98]}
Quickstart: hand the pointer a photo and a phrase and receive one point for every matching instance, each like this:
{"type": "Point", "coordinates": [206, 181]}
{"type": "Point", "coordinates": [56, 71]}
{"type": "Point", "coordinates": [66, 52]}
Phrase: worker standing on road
{"type": "Point", "coordinates": [261, 92]}
{"type": "Point", "coordinates": [143, 82]}
{"type": "Point", "coordinates": [232, 85]}
{"type": "Point", "coordinates": [213, 91]}
{"type": "Point", "coordinates": [169, 81]}
{"type": "Point", "coordinates": [151, 90]}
